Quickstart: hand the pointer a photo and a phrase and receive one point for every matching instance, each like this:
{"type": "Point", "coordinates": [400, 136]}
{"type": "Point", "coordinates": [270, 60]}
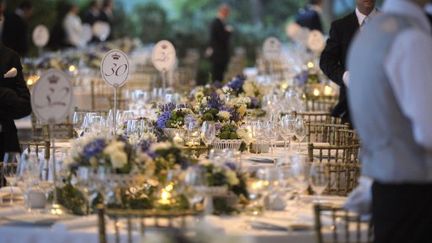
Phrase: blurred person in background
{"type": "Point", "coordinates": [107, 15]}
{"type": "Point", "coordinates": [333, 58]}
{"type": "Point", "coordinates": [16, 30]}
{"type": "Point", "coordinates": [73, 27]}
{"type": "Point", "coordinates": [219, 50]}
{"type": "Point", "coordinates": [14, 97]}
{"type": "Point", "coordinates": [310, 16]}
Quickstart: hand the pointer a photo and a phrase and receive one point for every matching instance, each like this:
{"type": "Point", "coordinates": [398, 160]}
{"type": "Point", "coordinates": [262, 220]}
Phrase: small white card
{"type": "Point", "coordinates": [164, 56]}
{"type": "Point", "coordinates": [40, 36]}
{"type": "Point", "coordinates": [272, 48]}
{"type": "Point", "coordinates": [52, 97]}
{"type": "Point", "coordinates": [115, 68]}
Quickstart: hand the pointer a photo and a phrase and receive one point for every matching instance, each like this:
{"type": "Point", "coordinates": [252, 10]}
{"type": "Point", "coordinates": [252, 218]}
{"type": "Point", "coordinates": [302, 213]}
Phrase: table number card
{"type": "Point", "coordinates": [115, 68]}
{"type": "Point", "coordinates": [40, 36]}
{"type": "Point", "coordinates": [164, 56]}
{"type": "Point", "coordinates": [52, 97]}
{"type": "Point", "coordinates": [272, 48]}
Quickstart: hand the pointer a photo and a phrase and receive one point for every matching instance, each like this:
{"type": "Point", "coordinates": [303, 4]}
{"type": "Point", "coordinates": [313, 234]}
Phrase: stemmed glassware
{"type": "Point", "coordinates": [300, 130]}
{"type": "Point", "coordinates": [9, 171]}
{"type": "Point", "coordinates": [78, 121]}
{"type": "Point", "coordinates": [208, 132]}
{"type": "Point", "coordinates": [300, 172]}
{"type": "Point", "coordinates": [271, 133]}
{"type": "Point", "coordinates": [85, 184]}
{"type": "Point", "coordinates": [194, 181]}
{"type": "Point", "coordinates": [287, 128]}
{"type": "Point", "coordinates": [319, 177]}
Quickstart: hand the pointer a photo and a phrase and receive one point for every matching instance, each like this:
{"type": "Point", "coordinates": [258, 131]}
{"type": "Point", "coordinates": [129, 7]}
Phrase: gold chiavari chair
{"type": "Point", "coordinates": [346, 226]}
{"type": "Point", "coordinates": [320, 105]}
{"type": "Point", "coordinates": [319, 117]}
{"type": "Point", "coordinates": [347, 137]}
{"type": "Point", "coordinates": [343, 164]}
{"type": "Point", "coordinates": [36, 146]}
{"type": "Point", "coordinates": [99, 92]}
{"type": "Point", "coordinates": [168, 222]}
{"type": "Point", "coordinates": [324, 133]}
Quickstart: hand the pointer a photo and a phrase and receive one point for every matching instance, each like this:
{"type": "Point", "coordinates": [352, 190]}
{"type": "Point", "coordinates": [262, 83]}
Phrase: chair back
{"type": "Point", "coordinates": [137, 222]}
{"type": "Point", "coordinates": [346, 226]}
{"type": "Point", "coordinates": [343, 164]}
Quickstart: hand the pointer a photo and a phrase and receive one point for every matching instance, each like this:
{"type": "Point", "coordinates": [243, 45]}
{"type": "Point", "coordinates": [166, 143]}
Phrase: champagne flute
{"type": "Point", "coordinates": [319, 177]}
{"type": "Point", "coordinates": [194, 180]}
{"type": "Point", "coordinates": [208, 132]}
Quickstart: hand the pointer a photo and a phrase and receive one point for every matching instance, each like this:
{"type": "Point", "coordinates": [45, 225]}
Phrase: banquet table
{"type": "Point", "coordinates": [238, 228]}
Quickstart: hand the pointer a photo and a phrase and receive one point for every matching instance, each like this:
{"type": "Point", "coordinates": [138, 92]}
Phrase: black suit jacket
{"type": "Point", "coordinates": [15, 34]}
{"type": "Point", "coordinates": [309, 18]}
{"type": "Point", "coordinates": [14, 100]}
{"type": "Point", "coordinates": [219, 41]}
{"type": "Point", "coordinates": [333, 58]}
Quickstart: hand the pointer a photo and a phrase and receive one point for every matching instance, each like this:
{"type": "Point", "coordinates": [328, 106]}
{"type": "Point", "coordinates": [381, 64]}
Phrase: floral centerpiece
{"type": "Point", "coordinates": [226, 175]}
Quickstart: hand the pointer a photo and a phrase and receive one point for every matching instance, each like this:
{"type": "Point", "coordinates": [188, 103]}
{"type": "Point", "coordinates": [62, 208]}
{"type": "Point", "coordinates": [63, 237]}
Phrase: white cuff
{"type": "Point", "coordinates": [346, 78]}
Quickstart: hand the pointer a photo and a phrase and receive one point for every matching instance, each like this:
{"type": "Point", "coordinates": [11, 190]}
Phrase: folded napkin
{"type": "Point", "coordinates": [11, 73]}
{"type": "Point", "coordinates": [360, 199]}
{"type": "Point", "coordinates": [261, 160]}
{"type": "Point", "coordinates": [76, 223]}
{"type": "Point", "coordinates": [11, 211]}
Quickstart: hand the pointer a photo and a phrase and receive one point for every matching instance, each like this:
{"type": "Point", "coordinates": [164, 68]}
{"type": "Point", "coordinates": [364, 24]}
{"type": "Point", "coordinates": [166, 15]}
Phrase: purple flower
{"type": "Point", "coordinates": [234, 115]}
{"type": "Point", "coordinates": [214, 102]}
{"type": "Point", "coordinates": [231, 165]}
{"type": "Point", "coordinates": [237, 83]}
{"type": "Point", "coordinates": [94, 148]}
{"type": "Point", "coordinates": [162, 119]}
{"type": "Point", "coordinates": [168, 107]}
{"type": "Point", "coordinates": [144, 145]}
{"type": "Point", "coordinates": [255, 103]}
{"type": "Point", "coordinates": [301, 78]}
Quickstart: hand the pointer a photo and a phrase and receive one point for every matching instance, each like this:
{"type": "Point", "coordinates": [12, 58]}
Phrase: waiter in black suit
{"type": "Point", "coordinates": [14, 99]}
{"type": "Point", "coordinates": [16, 30]}
{"type": "Point", "coordinates": [219, 43]}
{"type": "Point", "coordinates": [333, 58]}
{"type": "Point", "coordinates": [309, 16]}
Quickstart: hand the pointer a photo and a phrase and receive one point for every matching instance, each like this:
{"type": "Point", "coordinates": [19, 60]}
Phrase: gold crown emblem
{"type": "Point", "coordinates": [115, 56]}
{"type": "Point", "coordinates": [53, 79]}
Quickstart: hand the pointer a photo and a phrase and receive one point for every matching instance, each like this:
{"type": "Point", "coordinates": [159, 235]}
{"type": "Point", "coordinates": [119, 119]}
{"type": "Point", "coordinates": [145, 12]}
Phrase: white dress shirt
{"type": "Point", "coordinates": [408, 66]}
{"type": "Point", "coordinates": [73, 28]}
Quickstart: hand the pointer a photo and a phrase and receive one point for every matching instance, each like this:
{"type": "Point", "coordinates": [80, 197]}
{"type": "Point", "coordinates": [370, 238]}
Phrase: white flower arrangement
{"type": "Point", "coordinates": [224, 115]}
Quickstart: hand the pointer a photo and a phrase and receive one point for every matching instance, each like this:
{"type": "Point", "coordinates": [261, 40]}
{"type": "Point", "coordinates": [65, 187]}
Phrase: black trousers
{"type": "Point", "coordinates": [402, 213]}
{"type": "Point", "coordinates": [218, 70]}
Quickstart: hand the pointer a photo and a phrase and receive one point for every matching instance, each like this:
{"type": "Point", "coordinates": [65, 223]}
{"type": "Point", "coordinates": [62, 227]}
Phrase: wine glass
{"type": "Point", "coordinates": [9, 170]}
{"type": "Point", "coordinates": [271, 133]}
{"type": "Point", "coordinates": [319, 177]}
{"type": "Point", "coordinates": [287, 128]}
{"type": "Point", "coordinates": [208, 132]}
{"type": "Point", "coordinates": [194, 180]}
{"type": "Point", "coordinates": [300, 172]}
{"type": "Point", "coordinates": [77, 121]}
{"type": "Point", "coordinates": [300, 130]}
{"type": "Point", "coordinates": [85, 184]}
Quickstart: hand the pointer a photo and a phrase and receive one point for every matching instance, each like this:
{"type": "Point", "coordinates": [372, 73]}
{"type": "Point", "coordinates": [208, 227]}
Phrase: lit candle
{"type": "Point", "coordinates": [72, 68]}
{"type": "Point", "coordinates": [310, 65]}
{"type": "Point", "coordinates": [177, 139]}
{"type": "Point", "coordinates": [165, 196]}
{"type": "Point", "coordinates": [328, 90]}
{"type": "Point", "coordinates": [316, 92]}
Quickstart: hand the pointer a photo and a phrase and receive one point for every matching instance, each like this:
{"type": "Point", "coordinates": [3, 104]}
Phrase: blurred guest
{"type": "Point", "coordinates": [14, 98]}
{"type": "Point", "coordinates": [107, 15]}
{"type": "Point", "coordinates": [93, 14]}
{"type": "Point", "coordinates": [73, 27]}
{"type": "Point", "coordinates": [310, 16]}
{"type": "Point", "coordinates": [390, 100]}
{"type": "Point", "coordinates": [333, 57]}
{"type": "Point", "coordinates": [220, 35]}
{"type": "Point", "coordinates": [16, 30]}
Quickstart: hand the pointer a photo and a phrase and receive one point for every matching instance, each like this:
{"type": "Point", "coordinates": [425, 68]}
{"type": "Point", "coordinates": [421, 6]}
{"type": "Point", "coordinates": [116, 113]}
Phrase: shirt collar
{"type": "Point", "coordinates": [361, 17]}
{"type": "Point", "coordinates": [409, 9]}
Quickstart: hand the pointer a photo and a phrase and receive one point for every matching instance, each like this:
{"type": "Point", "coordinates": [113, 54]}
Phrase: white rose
{"type": "Point", "coordinates": [118, 160]}
{"type": "Point", "coordinates": [224, 115]}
